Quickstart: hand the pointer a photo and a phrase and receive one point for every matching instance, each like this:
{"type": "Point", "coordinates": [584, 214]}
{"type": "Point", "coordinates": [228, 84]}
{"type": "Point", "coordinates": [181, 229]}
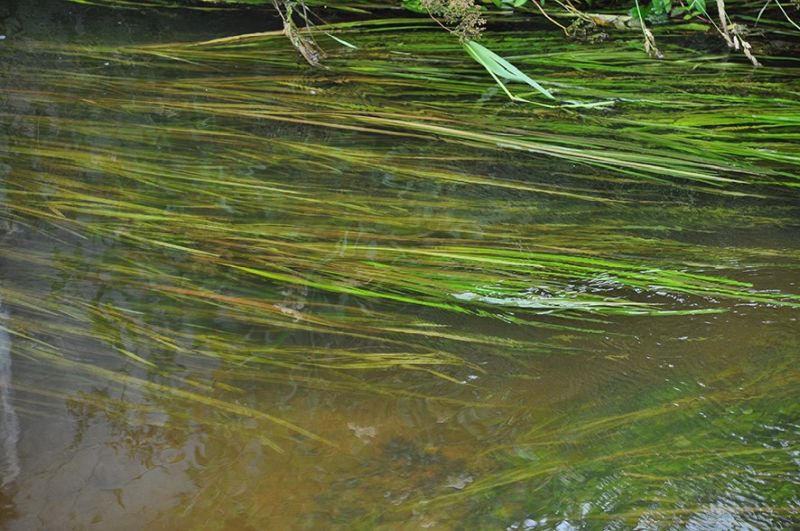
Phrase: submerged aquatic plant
{"type": "Point", "coordinates": [381, 226]}
{"type": "Point", "coordinates": [673, 455]}
{"type": "Point", "coordinates": [195, 231]}
{"type": "Point", "coordinates": [466, 19]}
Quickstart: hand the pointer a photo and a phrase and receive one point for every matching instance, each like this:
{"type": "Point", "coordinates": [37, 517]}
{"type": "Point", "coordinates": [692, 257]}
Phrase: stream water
{"type": "Point", "coordinates": [239, 294]}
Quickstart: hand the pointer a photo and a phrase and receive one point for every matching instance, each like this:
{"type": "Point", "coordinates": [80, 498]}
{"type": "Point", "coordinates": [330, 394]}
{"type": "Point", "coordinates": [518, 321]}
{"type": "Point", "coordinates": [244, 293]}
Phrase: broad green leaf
{"type": "Point", "coordinates": [499, 67]}
{"type": "Point", "coordinates": [698, 6]}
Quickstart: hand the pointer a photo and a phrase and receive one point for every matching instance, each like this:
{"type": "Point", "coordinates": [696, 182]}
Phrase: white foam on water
{"type": "Point", "coordinates": [9, 423]}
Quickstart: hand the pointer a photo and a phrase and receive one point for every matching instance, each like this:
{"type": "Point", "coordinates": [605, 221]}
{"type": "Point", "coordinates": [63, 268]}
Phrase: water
{"type": "Point", "coordinates": [9, 423]}
{"type": "Point", "coordinates": [238, 294]}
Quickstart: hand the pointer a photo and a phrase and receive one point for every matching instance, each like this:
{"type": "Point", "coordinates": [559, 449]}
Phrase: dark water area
{"type": "Point", "coordinates": [92, 24]}
{"type": "Point", "coordinates": [239, 293]}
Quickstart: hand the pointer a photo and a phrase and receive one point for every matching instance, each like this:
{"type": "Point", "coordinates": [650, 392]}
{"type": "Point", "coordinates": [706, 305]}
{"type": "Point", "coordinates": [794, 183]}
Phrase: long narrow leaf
{"type": "Point", "coordinates": [497, 66]}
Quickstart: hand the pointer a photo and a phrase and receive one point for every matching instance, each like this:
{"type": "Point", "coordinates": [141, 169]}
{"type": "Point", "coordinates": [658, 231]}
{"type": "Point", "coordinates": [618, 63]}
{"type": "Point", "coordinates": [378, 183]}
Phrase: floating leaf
{"type": "Point", "coordinates": [499, 67]}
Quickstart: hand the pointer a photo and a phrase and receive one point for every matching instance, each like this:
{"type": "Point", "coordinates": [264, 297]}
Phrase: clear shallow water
{"type": "Point", "coordinates": [224, 311]}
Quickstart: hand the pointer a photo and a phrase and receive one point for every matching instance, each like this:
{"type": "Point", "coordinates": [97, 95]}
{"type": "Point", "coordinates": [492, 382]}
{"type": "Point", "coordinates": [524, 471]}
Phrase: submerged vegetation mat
{"type": "Point", "coordinates": [196, 219]}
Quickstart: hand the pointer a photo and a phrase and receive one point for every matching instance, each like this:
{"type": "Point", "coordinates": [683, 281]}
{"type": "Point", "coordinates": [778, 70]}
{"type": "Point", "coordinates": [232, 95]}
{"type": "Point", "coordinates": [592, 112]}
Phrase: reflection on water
{"type": "Point", "coordinates": [9, 424]}
{"type": "Point", "coordinates": [232, 301]}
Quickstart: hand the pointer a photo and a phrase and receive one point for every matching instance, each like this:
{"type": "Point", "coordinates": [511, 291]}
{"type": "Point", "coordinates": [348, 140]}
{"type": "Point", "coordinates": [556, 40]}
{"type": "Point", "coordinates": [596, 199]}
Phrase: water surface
{"type": "Point", "coordinates": [240, 294]}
